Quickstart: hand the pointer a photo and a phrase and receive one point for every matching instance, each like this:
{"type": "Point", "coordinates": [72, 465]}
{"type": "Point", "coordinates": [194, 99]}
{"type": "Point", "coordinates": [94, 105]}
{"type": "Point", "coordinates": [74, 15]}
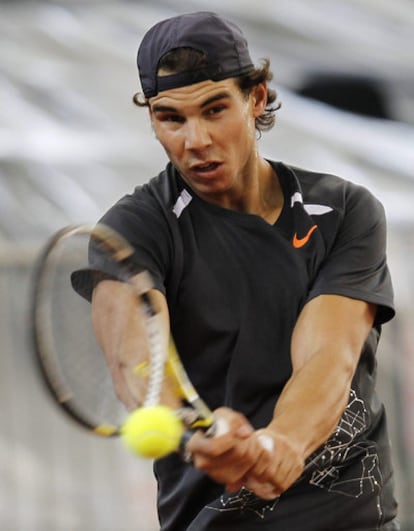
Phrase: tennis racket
{"type": "Point", "coordinates": [72, 365]}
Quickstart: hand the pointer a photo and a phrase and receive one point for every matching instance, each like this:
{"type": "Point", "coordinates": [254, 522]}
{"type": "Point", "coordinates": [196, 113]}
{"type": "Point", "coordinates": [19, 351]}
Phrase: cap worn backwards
{"type": "Point", "coordinates": [222, 42]}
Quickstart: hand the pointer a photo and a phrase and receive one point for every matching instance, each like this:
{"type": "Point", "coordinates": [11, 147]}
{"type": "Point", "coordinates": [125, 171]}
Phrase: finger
{"type": "Point", "coordinates": [228, 421]}
{"type": "Point", "coordinates": [228, 432]}
{"type": "Point", "coordinates": [278, 467]}
{"type": "Point", "coordinates": [229, 468]}
{"type": "Point", "coordinates": [287, 472]}
{"type": "Point", "coordinates": [266, 441]}
{"type": "Point", "coordinates": [237, 462]}
{"type": "Point", "coordinates": [266, 490]}
{"type": "Point", "coordinates": [234, 487]}
{"type": "Point", "coordinates": [219, 427]}
{"type": "Point", "coordinates": [266, 456]}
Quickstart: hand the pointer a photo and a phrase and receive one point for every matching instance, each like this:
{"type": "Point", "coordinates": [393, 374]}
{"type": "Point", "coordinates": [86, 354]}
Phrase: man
{"type": "Point", "coordinates": [274, 283]}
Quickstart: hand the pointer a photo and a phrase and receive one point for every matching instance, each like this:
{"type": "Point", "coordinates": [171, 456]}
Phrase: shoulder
{"type": "Point", "coordinates": [156, 199]}
{"type": "Point", "coordinates": [338, 190]}
{"type": "Point", "coordinates": [161, 190]}
{"type": "Point", "coordinates": [324, 190]}
{"type": "Point", "coordinates": [148, 211]}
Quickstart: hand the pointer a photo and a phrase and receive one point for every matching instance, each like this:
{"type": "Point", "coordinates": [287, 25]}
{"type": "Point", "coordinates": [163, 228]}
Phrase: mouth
{"type": "Point", "coordinates": [205, 167]}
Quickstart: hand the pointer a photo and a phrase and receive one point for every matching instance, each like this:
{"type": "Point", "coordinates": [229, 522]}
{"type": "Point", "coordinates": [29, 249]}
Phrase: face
{"type": "Point", "coordinates": [208, 132]}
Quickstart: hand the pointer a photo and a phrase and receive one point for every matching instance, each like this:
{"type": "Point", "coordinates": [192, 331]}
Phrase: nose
{"type": "Point", "coordinates": [197, 136]}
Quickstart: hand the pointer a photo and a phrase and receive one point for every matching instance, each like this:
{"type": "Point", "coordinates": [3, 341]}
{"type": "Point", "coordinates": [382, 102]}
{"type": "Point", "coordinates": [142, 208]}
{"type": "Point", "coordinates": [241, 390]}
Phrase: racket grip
{"type": "Point", "coordinates": [219, 427]}
{"type": "Point", "coordinates": [185, 454]}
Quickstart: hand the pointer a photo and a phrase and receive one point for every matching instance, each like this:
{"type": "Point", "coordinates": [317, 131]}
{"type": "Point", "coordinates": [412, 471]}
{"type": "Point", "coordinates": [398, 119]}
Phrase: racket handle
{"type": "Point", "coordinates": [185, 454]}
{"type": "Point", "coordinates": [219, 427]}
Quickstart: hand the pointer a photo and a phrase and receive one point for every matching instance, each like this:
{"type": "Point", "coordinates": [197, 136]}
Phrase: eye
{"type": "Point", "coordinates": [169, 117]}
{"type": "Point", "coordinates": [217, 109]}
{"type": "Point", "coordinates": [175, 118]}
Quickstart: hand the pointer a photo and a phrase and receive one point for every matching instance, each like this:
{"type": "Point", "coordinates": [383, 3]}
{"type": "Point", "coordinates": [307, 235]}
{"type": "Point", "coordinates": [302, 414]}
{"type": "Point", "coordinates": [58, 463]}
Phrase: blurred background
{"type": "Point", "coordinates": [71, 143]}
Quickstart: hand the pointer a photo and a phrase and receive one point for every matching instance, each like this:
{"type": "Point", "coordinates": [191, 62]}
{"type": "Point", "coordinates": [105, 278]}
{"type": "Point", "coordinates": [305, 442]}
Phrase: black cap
{"type": "Point", "coordinates": [220, 40]}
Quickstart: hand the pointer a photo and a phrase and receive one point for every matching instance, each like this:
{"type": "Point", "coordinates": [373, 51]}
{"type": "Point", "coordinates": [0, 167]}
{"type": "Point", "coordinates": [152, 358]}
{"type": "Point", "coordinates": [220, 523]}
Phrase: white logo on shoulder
{"type": "Point", "coordinates": [317, 210]}
{"type": "Point", "coordinates": [311, 209]}
{"type": "Point", "coordinates": [296, 198]}
{"type": "Point", "coordinates": [184, 199]}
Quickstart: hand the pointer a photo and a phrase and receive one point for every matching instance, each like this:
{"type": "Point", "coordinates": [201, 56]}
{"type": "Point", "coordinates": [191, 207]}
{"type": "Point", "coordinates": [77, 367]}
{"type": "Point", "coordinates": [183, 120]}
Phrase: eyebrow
{"type": "Point", "coordinates": [209, 101]}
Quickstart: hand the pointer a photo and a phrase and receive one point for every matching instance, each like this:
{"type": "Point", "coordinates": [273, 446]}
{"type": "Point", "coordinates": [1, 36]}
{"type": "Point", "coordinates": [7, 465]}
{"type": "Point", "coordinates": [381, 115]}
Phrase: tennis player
{"type": "Point", "coordinates": [275, 283]}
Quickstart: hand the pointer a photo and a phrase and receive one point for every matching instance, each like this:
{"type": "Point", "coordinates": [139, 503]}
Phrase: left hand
{"type": "Point", "coordinates": [279, 465]}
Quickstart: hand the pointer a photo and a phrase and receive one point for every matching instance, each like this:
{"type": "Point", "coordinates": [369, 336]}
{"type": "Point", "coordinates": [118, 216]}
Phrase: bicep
{"type": "Point", "coordinates": [333, 325]}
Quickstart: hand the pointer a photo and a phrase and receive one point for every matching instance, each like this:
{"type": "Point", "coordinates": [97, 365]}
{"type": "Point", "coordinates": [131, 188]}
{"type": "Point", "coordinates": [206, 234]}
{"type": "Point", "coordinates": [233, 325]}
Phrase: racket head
{"type": "Point", "coordinates": [71, 363]}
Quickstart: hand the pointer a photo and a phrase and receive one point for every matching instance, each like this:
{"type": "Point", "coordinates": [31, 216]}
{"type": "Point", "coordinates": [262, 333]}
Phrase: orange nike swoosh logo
{"type": "Point", "coordinates": [300, 242]}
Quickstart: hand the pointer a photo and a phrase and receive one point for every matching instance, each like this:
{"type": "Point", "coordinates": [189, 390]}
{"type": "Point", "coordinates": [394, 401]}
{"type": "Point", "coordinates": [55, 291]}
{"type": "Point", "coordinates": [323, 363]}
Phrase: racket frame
{"type": "Point", "coordinates": [195, 415]}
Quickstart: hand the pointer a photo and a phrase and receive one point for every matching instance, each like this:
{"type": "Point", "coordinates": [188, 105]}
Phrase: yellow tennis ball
{"type": "Point", "coordinates": [152, 432]}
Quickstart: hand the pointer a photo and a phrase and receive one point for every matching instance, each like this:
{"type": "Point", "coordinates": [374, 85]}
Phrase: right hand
{"type": "Point", "coordinates": [228, 456]}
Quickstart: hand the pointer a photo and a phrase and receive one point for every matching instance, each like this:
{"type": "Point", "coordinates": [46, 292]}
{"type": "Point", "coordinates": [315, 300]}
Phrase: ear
{"type": "Point", "coordinates": [259, 99]}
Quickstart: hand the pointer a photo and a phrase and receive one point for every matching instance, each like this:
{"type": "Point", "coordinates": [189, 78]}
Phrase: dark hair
{"type": "Point", "coordinates": [187, 59]}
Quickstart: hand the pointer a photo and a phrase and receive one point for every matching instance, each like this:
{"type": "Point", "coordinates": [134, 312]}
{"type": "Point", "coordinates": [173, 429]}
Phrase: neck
{"type": "Point", "coordinates": [262, 194]}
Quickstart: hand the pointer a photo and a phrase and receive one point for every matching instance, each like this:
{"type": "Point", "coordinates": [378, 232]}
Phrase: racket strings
{"type": "Point", "coordinates": [157, 357]}
{"type": "Point", "coordinates": [72, 362]}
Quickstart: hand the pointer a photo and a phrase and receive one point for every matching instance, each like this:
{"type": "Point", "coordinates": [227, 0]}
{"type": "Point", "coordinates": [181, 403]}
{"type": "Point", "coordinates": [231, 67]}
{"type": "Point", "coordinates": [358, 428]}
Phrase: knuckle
{"type": "Point", "coordinates": [201, 464]}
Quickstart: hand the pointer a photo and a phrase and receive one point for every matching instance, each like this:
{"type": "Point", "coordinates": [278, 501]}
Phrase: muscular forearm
{"type": "Point", "coordinates": [326, 346]}
{"type": "Point", "coordinates": [314, 399]}
{"type": "Point", "coordinates": [325, 350]}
